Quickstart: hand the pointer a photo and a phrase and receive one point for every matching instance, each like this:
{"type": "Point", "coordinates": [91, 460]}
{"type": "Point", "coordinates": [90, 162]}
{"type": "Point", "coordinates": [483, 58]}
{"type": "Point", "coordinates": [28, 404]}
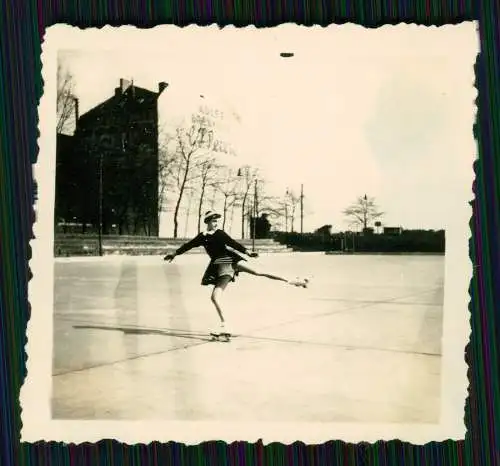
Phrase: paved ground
{"type": "Point", "coordinates": [361, 344]}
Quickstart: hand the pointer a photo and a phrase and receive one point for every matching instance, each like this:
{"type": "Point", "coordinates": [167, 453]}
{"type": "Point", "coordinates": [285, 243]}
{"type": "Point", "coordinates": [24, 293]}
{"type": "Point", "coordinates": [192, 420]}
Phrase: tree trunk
{"type": "Point", "coordinates": [136, 224]}
{"type": "Point", "coordinates": [188, 213]}
{"type": "Point", "coordinates": [250, 215]}
{"type": "Point", "coordinates": [200, 206]}
{"type": "Point", "coordinates": [243, 216]}
{"type": "Point", "coordinates": [225, 210]}
{"type": "Point", "coordinates": [212, 202]}
{"type": "Point", "coordinates": [176, 213]}
{"type": "Point", "coordinates": [179, 200]}
{"type": "Point", "coordinates": [232, 218]}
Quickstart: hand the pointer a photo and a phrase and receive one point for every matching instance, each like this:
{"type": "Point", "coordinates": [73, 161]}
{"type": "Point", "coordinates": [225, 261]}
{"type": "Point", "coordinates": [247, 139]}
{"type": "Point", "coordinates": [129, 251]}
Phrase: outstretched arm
{"type": "Point", "coordinates": [235, 245]}
{"type": "Point", "coordinates": [195, 242]}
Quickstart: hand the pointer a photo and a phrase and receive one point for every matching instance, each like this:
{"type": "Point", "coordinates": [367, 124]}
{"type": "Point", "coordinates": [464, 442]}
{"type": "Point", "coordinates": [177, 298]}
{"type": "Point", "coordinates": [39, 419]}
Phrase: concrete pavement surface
{"type": "Point", "coordinates": [362, 343]}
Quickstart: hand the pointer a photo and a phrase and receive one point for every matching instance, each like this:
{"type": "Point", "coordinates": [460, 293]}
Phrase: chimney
{"type": "Point", "coordinates": [162, 86]}
{"type": "Point", "coordinates": [124, 85]}
{"type": "Point", "coordinates": [77, 110]}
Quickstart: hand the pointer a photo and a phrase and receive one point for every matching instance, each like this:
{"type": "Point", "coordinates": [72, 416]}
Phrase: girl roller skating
{"type": "Point", "coordinates": [225, 265]}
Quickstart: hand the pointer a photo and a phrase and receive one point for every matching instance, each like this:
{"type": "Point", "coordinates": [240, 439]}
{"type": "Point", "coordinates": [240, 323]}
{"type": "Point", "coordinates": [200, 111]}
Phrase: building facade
{"type": "Point", "coordinates": [107, 172]}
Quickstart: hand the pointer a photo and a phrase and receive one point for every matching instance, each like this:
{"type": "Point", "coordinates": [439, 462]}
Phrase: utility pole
{"type": "Point", "coordinates": [301, 208]}
{"type": "Point", "coordinates": [243, 221]}
{"type": "Point", "coordinates": [100, 203]}
{"type": "Point", "coordinates": [286, 211]}
{"type": "Point", "coordinates": [255, 213]}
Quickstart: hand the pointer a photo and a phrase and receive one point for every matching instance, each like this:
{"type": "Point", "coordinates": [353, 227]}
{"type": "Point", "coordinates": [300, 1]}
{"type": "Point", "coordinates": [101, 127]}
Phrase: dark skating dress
{"type": "Point", "coordinates": [222, 260]}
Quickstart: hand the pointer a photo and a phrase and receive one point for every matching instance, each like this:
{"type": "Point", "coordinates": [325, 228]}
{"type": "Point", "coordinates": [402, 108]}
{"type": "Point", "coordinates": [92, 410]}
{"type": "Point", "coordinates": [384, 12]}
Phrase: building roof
{"type": "Point", "coordinates": [126, 94]}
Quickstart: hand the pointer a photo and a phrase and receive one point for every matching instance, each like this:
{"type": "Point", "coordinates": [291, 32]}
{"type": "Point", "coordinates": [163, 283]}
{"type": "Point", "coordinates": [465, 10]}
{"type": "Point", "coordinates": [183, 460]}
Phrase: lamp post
{"type": "Point", "coordinates": [243, 172]}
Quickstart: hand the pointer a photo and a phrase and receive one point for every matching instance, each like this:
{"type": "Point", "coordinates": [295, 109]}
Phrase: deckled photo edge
{"type": "Point", "coordinates": [39, 329]}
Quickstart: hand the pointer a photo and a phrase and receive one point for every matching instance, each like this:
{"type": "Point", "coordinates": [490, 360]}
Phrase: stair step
{"type": "Point", "coordinates": [173, 244]}
{"type": "Point", "coordinates": [140, 252]}
{"type": "Point", "coordinates": [144, 239]}
{"type": "Point", "coordinates": [87, 245]}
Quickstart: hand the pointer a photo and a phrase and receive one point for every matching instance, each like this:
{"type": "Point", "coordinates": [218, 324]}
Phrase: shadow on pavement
{"type": "Point", "coordinates": [145, 331]}
{"type": "Point", "coordinates": [206, 337]}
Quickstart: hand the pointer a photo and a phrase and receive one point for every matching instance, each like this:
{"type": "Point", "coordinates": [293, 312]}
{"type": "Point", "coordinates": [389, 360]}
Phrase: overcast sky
{"type": "Point", "coordinates": [385, 112]}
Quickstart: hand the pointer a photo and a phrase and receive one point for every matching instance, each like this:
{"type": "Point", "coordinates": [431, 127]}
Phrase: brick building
{"type": "Point", "coordinates": [120, 135]}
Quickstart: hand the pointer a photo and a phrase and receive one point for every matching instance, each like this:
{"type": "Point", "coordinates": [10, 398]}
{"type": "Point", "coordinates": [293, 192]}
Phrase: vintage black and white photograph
{"type": "Point", "coordinates": [252, 233]}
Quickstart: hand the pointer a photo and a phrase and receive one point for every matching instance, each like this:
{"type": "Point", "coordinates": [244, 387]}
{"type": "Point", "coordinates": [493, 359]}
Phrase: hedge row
{"type": "Point", "coordinates": [410, 241]}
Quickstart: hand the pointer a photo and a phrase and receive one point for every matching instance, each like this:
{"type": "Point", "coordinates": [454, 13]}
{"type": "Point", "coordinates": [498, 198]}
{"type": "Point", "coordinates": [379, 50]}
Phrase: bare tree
{"type": "Point", "coordinates": [272, 206]}
{"type": "Point", "coordinates": [189, 143]}
{"type": "Point", "coordinates": [207, 177]}
{"type": "Point", "coordinates": [167, 163]}
{"type": "Point", "coordinates": [292, 201]}
{"type": "Point", "coordinates": [65, 100]}
{"type": "Point", "coordinates": [228, 186]}
{"type": "Point", "coordinates": [249, 176]}
{"type": "Point", "coordinates": [190, 195]}
{"type": "Point", "coordinates": [363, 211]}
{"type": "Point", "coordinates": [282, 207]}
{"type": "Point", "coordinates": [189, 149]}
{"type": "Point", "coordinates": [232, 215]}
{"type": "Point", "coordinates": [254, 190]}
{"type": "Point", "coordinates": [264, 203]}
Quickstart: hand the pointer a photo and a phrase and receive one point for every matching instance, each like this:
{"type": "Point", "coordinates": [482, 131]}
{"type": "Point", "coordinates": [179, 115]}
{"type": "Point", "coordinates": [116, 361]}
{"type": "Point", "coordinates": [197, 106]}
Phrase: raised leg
{"type": "Point", "coordinates": [244, 268]}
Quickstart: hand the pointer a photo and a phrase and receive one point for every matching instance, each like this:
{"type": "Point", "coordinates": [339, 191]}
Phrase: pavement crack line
{"type": "Point", "coordinates": [281, 324]}
{"type": "Point", "coordinates": [366, 301]}
{"type": "Point", "coordinates": [347, 309]}
{"type": "Point", "coordinates": [332, 345]}
{"type": "Point", "coordinates": [132, 358]}
{"type": "Point", "coordinates": [198, 335]}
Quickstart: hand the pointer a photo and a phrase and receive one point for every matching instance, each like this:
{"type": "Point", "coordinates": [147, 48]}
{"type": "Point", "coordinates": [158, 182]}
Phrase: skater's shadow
{"type": "Point", "coordinates": [147, 331]}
